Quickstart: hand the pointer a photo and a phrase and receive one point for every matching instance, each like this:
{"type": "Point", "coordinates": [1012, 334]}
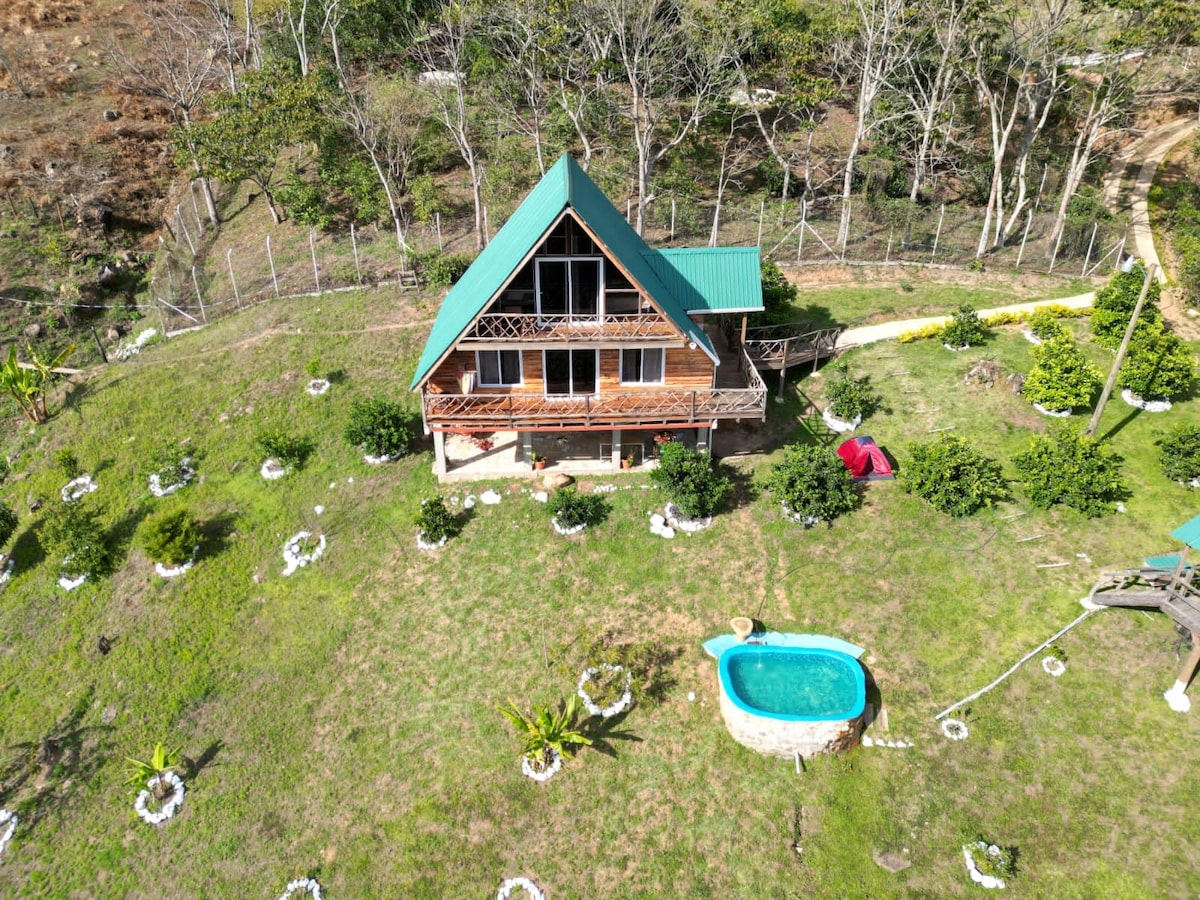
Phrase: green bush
{"type": "Point", "coordinates": [169, 537]}
{"type": "Point", "coordinates": [690, 480]}
{"type": "Point", "coordinates": [8, 522]}
{"type": "Point", "coordinates": [964, 329]}
{"type": "Point", "coordinates": [812, 482]}
{"type": "Point", "coordinates": [1067, 466]}
{"type": "Point", "coordinates": [434, 521]}
{"type": "Point", "coordinates": [1061, 377]}
{"type": "Point", "coordinates": [1179, 453]}
{"type": "Point", "coordinates": [1159, 365]}
{"type": "Point", "coordinates": [171, 463]}
{"type": "Point", "coordinates": [572, 509]}
{"type": "Point", "coordinates": [1045, 325]}
{"type": "Point", "coordinates": [288, 450]}
{"type": "Point", "coordinates": [1114, 305]}
{"type": "Point", "coordinates": [444, 269]}
{"type": "Point", "coordinates": [379, 427]}
{"type": "Point", "coordinates": [953, 476]}
{"type": "Point", "coordinates": [778, 293]}
{"type": "Point", "coordinates": [850, 396]}
{"type": "Point", "coordinates": [71, 534]}
{"type": "Point", "coordinates": [68, 463]}
{"type": "Point", "coordinates": [4, 468]}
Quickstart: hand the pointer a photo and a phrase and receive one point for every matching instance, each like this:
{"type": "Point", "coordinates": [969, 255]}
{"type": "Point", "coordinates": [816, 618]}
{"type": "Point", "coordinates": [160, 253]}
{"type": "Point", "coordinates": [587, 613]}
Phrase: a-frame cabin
{"type": "Point", "coordinates": [568, 322]}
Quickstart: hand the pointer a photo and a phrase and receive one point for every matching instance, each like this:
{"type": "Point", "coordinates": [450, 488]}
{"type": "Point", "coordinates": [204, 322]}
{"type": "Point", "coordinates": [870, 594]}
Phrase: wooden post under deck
{"type": "Point", "coordinates": [616, 448]}
{"type": "Point", "coordinates": [1176, 698]}
{"type": "Point", "coordinates": [439, 453]}
{"type": "Point", "coordinates": [742, 345]}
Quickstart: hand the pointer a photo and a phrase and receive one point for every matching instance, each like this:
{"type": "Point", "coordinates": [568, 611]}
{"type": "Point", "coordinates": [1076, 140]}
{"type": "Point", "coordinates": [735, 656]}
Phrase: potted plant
{"type": "Point", "coordinates": [164, 787]}
{"type": "Point", "coordinates": [989, 864]}
{"type": "Point", "coordinates": [850, 399]}
{"type": "Point", "coordinates": [537, 461]}
{"type": "Point", "coordinates": [627, 460]}
{"type": "Point", "coordinates": [548, 736]}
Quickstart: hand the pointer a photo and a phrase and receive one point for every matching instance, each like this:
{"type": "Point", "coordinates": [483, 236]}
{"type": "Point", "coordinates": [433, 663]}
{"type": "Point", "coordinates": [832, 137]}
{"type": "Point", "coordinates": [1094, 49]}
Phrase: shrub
{"type": "Point", "coordinates": [169, 537]}
{"type": "Point", "coordinates": [1045, 326]}
{"type": "Point", "coordinates": [645, 661]}
{"type": "Point", "coordinates": [1061, 377]}
{"type": "Point", "coordinates": [925, 332]}
{"type": "Point", "coordinates": [1179, 453]}
{"type": "Point", "coordinates": [1114, 305]}
{"type": "Point", "coordinates": [4, 468]}
{"type": "Point", "coordinates": [434, 521]}
{"type": "Point", "coordinates": [778, 293]}
{"type": "Point", "coordinates": [71, 533]}
{"type": "Point", "coordinates": [964, 329]}
{"type": "Point", "coordinates": [171, 463]}
{"type": "Point", "coordinates": [445, 269]}
{"type": "Point", "coordinates": [689, 480]}
{"type": "Point", "coordinates": [1159, 365]}
{"type": "Point", "coordinates": [850, 397]}
{"type": "Point", "coordinates": [68, 463]}
{"type": "Point", "coordinates": [572, 509]}
{"type": "Point", "coordinates": [379, 427]}
{"type": "Point", "coordinates": [1067, 466]}
{"type": "Point", "coordinates": [812, 482]}
{"type": "Point", "coordinates": [953, 476]}
{"type": "Point", "coordinates": [8, 522]}
{"type": "Point", "coordinates": [314, 369]}
{"type": "Point", "coordinates": [289, 451]}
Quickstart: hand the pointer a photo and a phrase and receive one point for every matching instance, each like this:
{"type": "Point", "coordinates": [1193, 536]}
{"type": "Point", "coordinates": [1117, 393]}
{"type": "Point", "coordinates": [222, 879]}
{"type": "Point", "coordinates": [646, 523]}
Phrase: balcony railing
{"type": "Point", "coordinates": [663, 406]}
{"type": "Point", "coordinates": [535, 327]}
{"type": "Point", "coordinates": [788, 344]}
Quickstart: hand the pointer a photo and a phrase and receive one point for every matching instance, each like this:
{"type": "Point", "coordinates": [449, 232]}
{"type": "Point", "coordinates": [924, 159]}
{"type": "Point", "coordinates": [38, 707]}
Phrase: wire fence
{"type": "Point", "coordinates": [206, 273]}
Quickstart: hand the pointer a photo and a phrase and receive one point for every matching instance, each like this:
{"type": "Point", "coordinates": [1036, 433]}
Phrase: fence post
{"type": "Point", "coordinates": [887, 256]}
{"type": "Point", "coordinates": [803, 225]}
{"type": "Point", "coordinates": [183, 227]}
{"type": "Point", "coordinates": [354, 244]}
{"type": "Point", "coordinates": [938, 234]}
{"type": "Point", "coordinates": [762, 208]}
{"type": "Point", "coordinates": [1088, 257]}
{"type": "Point", "coordinates": [162, 319]}
{"type": "Point", "coordinates": [312, 249]}
{"type": "Point", "coordinates": [849, 219]}
{"type": "Point", "coordinates": [229, 262]}
{"type": "Point", "coordinates": [628, 209]}
{"type": "Point", "coordinates": [199, 298]}
{"type": "Point", "coordinates": [1024, 237]}
{"type": "Point", "coordinates": [672, 220]}
{"type": "Point", "coordinates": [437, 225]}
{"type": "Point", "coordinates": [271, 260]}
{"type": "Point", "coordinates": [1121, 252]}
{"type": "Point", "coordinates": [195, 208]}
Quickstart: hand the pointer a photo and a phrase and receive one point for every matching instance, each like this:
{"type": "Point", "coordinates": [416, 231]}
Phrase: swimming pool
{"type": "Point", "coordinates": [783, 700]}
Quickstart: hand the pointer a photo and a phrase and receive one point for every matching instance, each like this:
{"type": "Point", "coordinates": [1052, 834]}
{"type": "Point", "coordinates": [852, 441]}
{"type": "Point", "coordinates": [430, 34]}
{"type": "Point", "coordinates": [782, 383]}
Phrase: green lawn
{"type": "Point", "coordinates": [344, 718]}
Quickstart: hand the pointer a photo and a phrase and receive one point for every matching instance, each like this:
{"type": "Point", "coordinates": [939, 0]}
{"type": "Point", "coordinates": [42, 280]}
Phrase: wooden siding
{"type": "Point", "coordinates": [685, 369]}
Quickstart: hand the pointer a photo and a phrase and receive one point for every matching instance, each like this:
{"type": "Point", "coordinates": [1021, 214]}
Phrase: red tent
{"type": "Point", "coordinates": [864, 459]}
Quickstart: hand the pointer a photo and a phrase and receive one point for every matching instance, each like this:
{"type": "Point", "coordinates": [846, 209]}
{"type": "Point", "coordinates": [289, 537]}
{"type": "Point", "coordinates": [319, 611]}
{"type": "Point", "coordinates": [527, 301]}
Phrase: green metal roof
{"type": "Point", "coordinates": [1189, 533]}
{"type": "Point", "coordinates": [711, 279]}
{"type": "Point", "coordinates": [565, 185]}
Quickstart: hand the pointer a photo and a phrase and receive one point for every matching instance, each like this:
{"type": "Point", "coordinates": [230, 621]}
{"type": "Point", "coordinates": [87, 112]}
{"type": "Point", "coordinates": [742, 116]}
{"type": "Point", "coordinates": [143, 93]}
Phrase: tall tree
{"type": "Point", "coordinates": [673, 66]}
{"type": "Point", "coordinates": [448, 52]}
{"type": "Point", "coordinates": [173, 63]}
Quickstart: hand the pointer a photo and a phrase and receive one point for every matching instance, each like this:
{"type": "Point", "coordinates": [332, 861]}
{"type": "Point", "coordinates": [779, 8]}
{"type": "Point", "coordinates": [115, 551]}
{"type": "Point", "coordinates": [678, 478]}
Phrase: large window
{"type": "Point", "coordinates": [498, 368]}
{"type": "Point", "coordinates": [569, 287]}
{"type": "Point", "coordinates": [570, 371]}
{"type": "Point", "coordinates": [641, 366]}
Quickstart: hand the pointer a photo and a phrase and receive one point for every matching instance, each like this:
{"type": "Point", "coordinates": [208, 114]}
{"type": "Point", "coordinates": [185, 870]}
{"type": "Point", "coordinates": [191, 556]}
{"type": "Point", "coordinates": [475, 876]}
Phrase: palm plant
{"type": "Point", "coordinates": [27, 384]}
{"type": "Point", "coordinates": [547, 733]}
{"type": "Point", "coordinates": [157, 766]}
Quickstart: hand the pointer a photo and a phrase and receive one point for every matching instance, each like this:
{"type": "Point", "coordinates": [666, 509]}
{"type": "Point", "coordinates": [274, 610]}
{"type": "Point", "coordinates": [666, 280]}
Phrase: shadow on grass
{"type": "Point", "coordinates": [1116, 429]}
{"type": "Point", "coordinates": [34, 779]}
{"type": "Point", "coordinates": [195, 766]}
{"type": "Point", "coordinates": [215, 534]}
{"type": "Point", "coordinates": [604, 732]}
{"type": "Point", "coordinates": [27, 549]}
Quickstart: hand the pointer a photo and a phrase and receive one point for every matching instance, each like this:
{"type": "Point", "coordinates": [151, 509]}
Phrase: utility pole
{"type": "Point", "coordinates": [1116, 366]}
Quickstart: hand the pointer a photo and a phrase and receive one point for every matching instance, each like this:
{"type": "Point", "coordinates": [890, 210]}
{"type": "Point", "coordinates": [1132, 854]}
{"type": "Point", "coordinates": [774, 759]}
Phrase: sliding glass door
{"type": "Point", "coordinates": [570, 372]}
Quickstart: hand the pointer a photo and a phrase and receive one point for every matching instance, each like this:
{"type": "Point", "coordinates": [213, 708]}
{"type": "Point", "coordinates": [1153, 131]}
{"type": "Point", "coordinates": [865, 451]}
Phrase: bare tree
{"type": "Point", "coordinates": [581, 83]}
{"type": "Point", "coordinates": [519, 33]}
{"type": "Point", "coordinates": [445, 54]}
{"type": "Point", "coordinates": [174, 64]}
{"type": "Point", "coordinates": [673, 68]}
{"type": "Point", "coordinates": [736, 153]}
{"type": "Point", "coordinates": [868, 56]}
{"type": "Point", "coordinates": [385, 117]}
{"type": "Point", "coordinates": [13, 74]}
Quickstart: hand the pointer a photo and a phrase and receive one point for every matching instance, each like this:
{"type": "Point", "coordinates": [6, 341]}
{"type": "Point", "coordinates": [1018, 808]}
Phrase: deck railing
{"type": "Point", "coordinates": [535, 327]}
{"type": "Point", "coordinates": [522, 411]}
{"type": "Point", "coordinates": [789, 343]}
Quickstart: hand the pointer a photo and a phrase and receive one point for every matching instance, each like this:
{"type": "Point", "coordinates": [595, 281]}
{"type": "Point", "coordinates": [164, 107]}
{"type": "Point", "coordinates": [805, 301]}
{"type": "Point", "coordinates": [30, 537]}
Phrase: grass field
{"type": "Point", "coordinates": [342, 721]}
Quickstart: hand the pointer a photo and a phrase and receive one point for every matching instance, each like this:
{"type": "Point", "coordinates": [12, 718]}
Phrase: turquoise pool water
{"type": "Point", "coordinates": [799, 684]}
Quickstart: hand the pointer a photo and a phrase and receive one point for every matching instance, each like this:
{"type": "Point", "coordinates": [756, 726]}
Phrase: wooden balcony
{"type": "Point", "coordinates": [651, 407]}
{"type": "Point", "coordinates": [534, 328]}
{"type": "Point", "coordinates": [786, 345]}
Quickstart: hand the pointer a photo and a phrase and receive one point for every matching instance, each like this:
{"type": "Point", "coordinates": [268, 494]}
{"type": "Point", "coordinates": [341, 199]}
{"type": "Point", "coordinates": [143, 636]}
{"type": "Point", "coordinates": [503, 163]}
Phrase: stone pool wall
{"type": "Point", "coordinates": [776, 737]}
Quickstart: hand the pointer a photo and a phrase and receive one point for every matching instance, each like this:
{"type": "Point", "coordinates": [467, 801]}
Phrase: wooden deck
{"type": "Point", "coordinates": [531, 329]}
{"type": "Point", "coordinates": [1168, 592]}
{"type": "Point", "coordinates": [664, 407]}
{"type": "Point", "coordinates": [783, 346]}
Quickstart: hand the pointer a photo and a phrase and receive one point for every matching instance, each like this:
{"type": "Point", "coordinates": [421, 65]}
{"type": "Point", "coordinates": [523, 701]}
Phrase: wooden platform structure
{"type": "Point", "coordinates": [779, 347]}
{"type": "Point", "coordinates": [1170, 585]}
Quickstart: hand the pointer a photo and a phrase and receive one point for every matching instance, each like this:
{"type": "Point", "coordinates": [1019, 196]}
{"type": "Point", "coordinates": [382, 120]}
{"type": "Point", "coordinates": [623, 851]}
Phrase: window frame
{"type": "Point", "coordinates": [662, 368]}
{"type": "Point", "coordinates": [500, 369]}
